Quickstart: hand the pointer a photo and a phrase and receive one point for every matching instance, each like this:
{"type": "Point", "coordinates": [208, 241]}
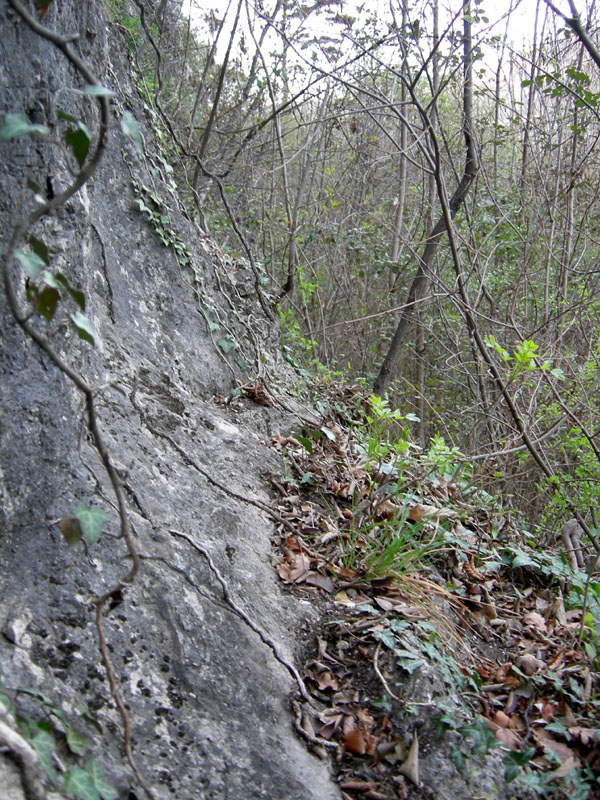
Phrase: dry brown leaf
{"type": "Point", "coordinates": [529, 664]}
{"type": "Point", "coordinates": [564, 768]}
{"type": "Point", "coordinates": [294, 567]}
{"type": "Point", "coordinates": [354, 742]}
{"type": "Point", "coordinates": [585, 735]}
{"type": "Point", "coordinates": [410, 768]}
{"type": "Point", "coordinates": [501, 719]}
{"type": "Point", "coordinates": [359, 786]}
{"type": "Point", "coordinates": [535, 620]}
{"type": "Point", "coordinates": [544, 739]}
{"type": "Point", "coordinates": [318, 580]}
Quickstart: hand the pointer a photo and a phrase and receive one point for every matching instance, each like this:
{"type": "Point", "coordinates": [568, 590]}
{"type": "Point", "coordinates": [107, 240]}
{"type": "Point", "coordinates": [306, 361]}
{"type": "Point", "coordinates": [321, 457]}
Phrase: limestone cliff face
{"type": "Point", "coordinates": [207, 700]}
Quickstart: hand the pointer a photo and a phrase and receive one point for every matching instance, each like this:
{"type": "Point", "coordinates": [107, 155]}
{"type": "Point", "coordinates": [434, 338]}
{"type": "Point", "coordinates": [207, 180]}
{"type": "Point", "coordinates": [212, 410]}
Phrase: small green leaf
{"type": "Point", "coordinates": [91, 521]}
{"type": "Point", "coordinates": [308, 477]}
{"type": "Point", "coordinates": [63, 115]}
{"type": "Point", "coordinates": [19, 125]}
{"type": "Point", "coordinates": [105, 790]}
{"type": "Point", "coordinates": [89, 717]}
{"type": "Point", "coordinates": [85, 328]}
{"type": "Point", "coordinates": [458, 757]}
{"type": "Point", "coordinates": [130, 128]}
{"type": "Point", "coordinates": [226, 344]}
{"type": "Point", "coordinates": [76, 294]}
{"type": "Point", "coordinates": [80, 783]}
{"type": "Point", "coordinates": [77, 743]}
{"type": "Point", "coordinates": [514, 761]}
{"type": "Point", "coordinates": [47, 302]}
{"type": "Point", "coordinates": [95, 90]}
{"type": "Point", "coordinates": [44, 744]}
{"type": "Point", "coordinates": [39, 248]}
{"type": "Point", "coordinates": [79, 142]}
{"type": "Point", "coordinates": [31, 262]}
{"type": "Point", "coordinates": [329, 434]}
{"type": "Point", "coordinates": [306, 443]}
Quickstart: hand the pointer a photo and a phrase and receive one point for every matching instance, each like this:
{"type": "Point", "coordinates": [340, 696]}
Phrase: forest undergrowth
{"type": "Point", "coordinates": [419, 571]}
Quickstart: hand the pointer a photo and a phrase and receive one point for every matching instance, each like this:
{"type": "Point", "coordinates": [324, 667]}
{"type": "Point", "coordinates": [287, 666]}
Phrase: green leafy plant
{"type": "Point", "coordinates": [60, 747]}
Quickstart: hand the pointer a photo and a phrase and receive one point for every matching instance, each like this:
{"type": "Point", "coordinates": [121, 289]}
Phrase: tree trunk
{"type": "Point", "coordinates": [421, 279]}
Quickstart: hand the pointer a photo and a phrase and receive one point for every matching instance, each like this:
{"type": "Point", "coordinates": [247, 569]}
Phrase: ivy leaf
{"type": "Point", "coordinates": [77, 743]}
{"type": "Point", "coordinates": [89, 717]}
{"type": "Point", "coordinates": [19, 125]}
{"type": "Point", "coordinates": [59, 279]}
{"type": "Point", "coordinates": [47, 302]}
{"type": "Point", "coordinates": [44, 744]}
{"type": "Point", "coordinates": [226, 344]}
{"type": "Point", "coordinates": [31, 262]}
{"type": "Point", "coordinates": [514, 761]}
{"type": "Point", "coordinates": [105, 790]}
{"type": "Point", "coordinates": [80, 783]}
{"type": "Point", "coordinates": [95, 90]}
{"type": "Point", "coordinates": [85, 328]}
{"type": "Point", "coordinates": [63, 115]}
{"type": "Point", "coordinates": [130, 128]}
{"type": "Point", "coordinates": [91, 521]}
{"type": "Point", "coordinates": [78, 140]}
{"type": "Point", "coordinates": [39, 248]}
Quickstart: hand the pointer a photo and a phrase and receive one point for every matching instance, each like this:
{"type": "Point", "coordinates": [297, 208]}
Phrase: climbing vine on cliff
{"type": "Point", "coordinates": [34, 300]}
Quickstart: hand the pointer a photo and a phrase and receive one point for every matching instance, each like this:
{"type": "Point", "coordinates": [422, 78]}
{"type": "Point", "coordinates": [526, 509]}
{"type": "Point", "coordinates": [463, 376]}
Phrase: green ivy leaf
{"type": "Point", "coordinates": [44, 744]}
{"type": "Point", "coordinates": [130, 128]}
{"type": "Point", "coordinates": [47, 302]}
{"type": "Point", "coordinates": [226, 344]}
{"type": "Point", "coordinates": [57, 280]}
{"type": "Point", "coordinates": [19, 125]}
{"type": "Point", "coordinates": [63, 115]}
{"type": "Point", "coordinates": [77, 743]}
{"type": "Point", "coordinates": [80, 783]}
{"type": "Point", "coordinates": [105, 790]}
{"type": "Point", "coordinates": [85, 328]}
{"type": "Point", "coordinates": [91, 521]}
{"type": "Point", "coordinates": [31, 262]}
{"type": "Point", "coordinates": [95, 90]}
{"type": "Point", "coordinates": [39, 248]}
{"type": "Point", "coordinates": [514, 761]}
{"type": "Point", "coordinates": [78, 140]}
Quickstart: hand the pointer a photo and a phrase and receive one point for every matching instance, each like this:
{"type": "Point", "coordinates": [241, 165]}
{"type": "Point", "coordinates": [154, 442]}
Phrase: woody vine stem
{"type": "Point", "coordinates": [23, 318]}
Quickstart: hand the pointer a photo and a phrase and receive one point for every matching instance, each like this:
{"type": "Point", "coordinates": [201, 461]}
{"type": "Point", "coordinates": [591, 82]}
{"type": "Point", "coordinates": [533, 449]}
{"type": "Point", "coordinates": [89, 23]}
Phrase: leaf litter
{"type": "Point", "coordinates": [413, 567]}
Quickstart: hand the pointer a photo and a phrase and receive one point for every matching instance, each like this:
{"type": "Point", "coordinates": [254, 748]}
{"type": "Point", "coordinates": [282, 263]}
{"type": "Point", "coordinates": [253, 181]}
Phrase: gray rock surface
{"type": "Point", "coordinates": [208, 701]}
